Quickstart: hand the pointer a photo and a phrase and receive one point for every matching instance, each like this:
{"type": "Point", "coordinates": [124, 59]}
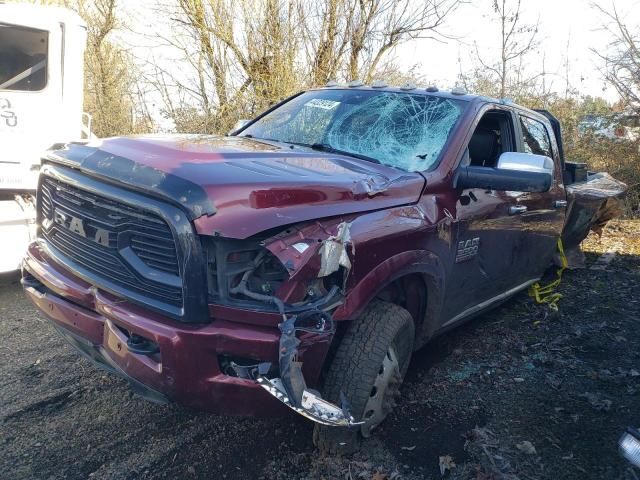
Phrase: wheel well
{"type": "Point", "coordinates": [410, 293]}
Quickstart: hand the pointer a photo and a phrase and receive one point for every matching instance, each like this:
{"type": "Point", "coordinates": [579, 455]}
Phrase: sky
{"type": "Point", "coordinates": [567, 29]}
{"type": "Point", "coordinates": [560, 21]}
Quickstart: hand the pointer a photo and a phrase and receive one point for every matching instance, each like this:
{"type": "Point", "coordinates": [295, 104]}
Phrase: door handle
{"type": "Point", "coordinates": [560, 204]}
{"type": "Point", "coordinates": [517, 209]}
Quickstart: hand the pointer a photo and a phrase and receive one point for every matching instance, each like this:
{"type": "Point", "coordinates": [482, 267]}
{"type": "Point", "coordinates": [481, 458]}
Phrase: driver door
{"type": "Point", "coordinates": [489, 249]}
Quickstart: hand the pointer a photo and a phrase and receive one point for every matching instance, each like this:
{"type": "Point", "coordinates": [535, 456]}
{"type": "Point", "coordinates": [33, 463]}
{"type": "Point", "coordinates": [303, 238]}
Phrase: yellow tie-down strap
{"type": "Point", "coordinates": [545, 294]}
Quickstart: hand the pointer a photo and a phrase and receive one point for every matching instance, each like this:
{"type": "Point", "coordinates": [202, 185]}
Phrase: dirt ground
{"type": "Point", "coordinates": [519, 393]}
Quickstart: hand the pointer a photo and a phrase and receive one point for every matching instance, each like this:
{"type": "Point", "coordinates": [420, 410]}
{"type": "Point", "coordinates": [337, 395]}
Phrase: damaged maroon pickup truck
{"type": "Point", "coordinates": [301, 259]}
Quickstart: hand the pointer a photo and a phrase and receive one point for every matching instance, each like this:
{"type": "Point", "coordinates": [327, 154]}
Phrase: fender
{"type": "Point", "coordinates": [413, 261]}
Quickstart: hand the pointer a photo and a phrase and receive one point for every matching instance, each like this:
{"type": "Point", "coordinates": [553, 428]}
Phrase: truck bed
{"type": "Point", "coordinates": [591, 204]}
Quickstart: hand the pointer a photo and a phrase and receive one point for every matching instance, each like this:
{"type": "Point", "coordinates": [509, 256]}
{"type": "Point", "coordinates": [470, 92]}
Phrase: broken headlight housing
{"type": "Point", "coordinates": [229, 261]}
{"type": "Point", "coordinates": [245, 273]}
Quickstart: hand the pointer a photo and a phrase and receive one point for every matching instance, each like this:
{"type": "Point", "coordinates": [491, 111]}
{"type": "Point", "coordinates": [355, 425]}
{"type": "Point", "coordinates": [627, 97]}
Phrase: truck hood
{"type": "Point", "coordinates": [235, 186]}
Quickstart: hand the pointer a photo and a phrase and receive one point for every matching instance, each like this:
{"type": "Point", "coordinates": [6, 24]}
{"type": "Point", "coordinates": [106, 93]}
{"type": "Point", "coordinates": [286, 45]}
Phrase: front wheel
{"type": "Point", "coordinates": [368, 368]}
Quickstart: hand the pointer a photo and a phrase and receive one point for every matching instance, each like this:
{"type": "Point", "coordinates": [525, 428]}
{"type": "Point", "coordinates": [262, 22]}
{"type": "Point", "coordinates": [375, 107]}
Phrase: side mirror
{"type": "Point", "coordinates": [525, 162]}
{"type": "Point", "coordinates": [240, 124]}
{"type": "Point", "coordinates": [518, 172]}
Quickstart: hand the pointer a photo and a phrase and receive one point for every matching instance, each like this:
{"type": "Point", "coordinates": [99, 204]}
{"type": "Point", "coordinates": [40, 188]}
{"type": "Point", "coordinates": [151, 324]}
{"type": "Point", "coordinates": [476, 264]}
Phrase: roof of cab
{"type": "Point", "coordinates": [455, 93]}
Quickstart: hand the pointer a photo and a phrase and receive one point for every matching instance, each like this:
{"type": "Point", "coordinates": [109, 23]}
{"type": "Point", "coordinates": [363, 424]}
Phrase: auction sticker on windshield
{"type": "Point", "coordinates": [322, 103]}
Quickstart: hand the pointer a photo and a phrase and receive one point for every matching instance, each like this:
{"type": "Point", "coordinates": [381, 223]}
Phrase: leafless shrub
{"type": "Point", "coordinates": [245, 55]}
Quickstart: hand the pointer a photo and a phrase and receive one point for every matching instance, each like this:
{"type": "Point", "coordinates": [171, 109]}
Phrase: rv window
{"type": "Point", "coordinates": [23, 58]}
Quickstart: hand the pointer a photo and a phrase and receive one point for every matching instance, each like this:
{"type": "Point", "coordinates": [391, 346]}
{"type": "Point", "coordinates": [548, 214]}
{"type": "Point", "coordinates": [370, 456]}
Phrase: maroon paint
{"type": "Point", "coordinates": [399, 223]}
{"type": "Point", "coordinates": [187, 368]}
{"type": "Point", "coordinates": [256, 186]}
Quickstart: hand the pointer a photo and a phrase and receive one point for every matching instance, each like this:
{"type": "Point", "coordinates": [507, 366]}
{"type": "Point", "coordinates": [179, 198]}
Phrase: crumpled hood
{"type": "Point", "coordinates": [237, 187]}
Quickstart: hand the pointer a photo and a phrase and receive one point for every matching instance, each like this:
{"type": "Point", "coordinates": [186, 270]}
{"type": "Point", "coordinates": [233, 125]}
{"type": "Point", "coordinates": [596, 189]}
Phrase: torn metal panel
{"type": "Point", "coordinates": [333, 253]}
{"type": "Point", "coordinates": [295, 246]}
{"type": "Point", "coordinates": [312, 406]}
{"type": "Point", "coordinates": [591, 205]}
{"type": "Point", "coordinates": [290, 387]}
{"type": "Point", "coordinates": [312, 250]}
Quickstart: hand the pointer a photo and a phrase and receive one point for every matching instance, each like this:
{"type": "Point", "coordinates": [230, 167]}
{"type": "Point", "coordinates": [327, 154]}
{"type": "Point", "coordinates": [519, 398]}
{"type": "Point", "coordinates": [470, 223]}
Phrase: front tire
{"type": "Point", "coordinates": [368, 367]}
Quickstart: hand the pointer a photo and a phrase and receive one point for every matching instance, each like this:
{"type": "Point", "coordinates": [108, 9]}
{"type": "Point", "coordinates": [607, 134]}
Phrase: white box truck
{"type": "Point", "coordinates": [41, 95]}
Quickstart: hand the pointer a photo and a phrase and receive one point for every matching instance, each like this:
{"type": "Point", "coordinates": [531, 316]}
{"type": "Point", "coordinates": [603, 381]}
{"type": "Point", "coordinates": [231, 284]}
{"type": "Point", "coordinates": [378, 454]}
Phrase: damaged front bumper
{"type": "Point", "coordinates": [312, 405]}
{"type": "Point", "coordinates": [311, 253]}
{"type": "Point", "coordinates": [186, 364]}
{"type": "Point", "coordinates": [290, 388]}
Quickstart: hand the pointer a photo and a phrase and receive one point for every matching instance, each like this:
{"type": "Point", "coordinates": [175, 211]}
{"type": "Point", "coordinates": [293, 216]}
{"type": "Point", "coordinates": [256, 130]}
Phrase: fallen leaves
{"type": "Point", "coordinates": [526, 447]}
{"type": "Point", "coordinates": [446, 464]}
{"type": "Point", "coordinates": [597, 402]}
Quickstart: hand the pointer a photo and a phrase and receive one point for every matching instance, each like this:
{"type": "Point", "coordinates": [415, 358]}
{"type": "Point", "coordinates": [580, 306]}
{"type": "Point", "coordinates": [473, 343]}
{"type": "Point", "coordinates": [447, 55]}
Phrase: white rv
{"type": "Point", "coordinates": [41, 93]}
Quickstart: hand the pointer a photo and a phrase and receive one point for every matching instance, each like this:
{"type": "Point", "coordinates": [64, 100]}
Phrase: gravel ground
{"type": "Point", "coordinates": [519, 393]}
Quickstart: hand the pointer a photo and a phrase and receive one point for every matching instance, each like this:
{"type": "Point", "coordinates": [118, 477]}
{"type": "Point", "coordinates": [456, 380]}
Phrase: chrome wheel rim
{"type": "Point", "coordinates": [384, 393]}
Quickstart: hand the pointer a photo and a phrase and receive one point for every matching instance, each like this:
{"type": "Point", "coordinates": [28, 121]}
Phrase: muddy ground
{"type": "Point", "coordinates": [519, 393]}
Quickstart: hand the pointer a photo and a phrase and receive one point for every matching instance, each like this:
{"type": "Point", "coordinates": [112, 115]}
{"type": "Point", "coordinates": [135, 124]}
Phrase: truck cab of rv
{"type": "Point", "coordinates": [41, 95]}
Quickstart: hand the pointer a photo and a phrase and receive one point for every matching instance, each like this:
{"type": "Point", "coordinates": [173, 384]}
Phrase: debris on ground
{"type": "Point", "coordinates": [518, 393]}
{"type": "Point", "coordinates": [526, 447]}
{"type": "Point", "coordinates": [446, 464]}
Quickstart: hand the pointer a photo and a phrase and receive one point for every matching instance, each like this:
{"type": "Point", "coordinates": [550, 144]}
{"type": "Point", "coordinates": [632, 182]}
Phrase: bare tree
{"type": "Point", "coordinates": [379, 26]}
{"type": "Point", "coordinates": [517, 39]}
{"type": "Point", "coordinates": [622, 58]}
{"type": "Point", "coordinates": [244, 55]}
{"type": "Point", "coordinates": [326, 38]}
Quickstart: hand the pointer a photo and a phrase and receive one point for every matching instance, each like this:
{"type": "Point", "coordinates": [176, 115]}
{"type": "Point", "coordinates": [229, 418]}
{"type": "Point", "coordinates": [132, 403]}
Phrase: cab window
{"type": "Point", "coordinates": [23, 58]}
{"type": "Point", "coordinates": [492, 137]}
{"type": "Point", "coordinates": [535, 137]}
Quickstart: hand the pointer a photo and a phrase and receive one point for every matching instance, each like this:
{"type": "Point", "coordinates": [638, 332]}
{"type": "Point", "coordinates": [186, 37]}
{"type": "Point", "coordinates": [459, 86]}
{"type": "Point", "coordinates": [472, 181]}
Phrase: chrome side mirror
{"type": "Point", "coordinates": [525, 162]}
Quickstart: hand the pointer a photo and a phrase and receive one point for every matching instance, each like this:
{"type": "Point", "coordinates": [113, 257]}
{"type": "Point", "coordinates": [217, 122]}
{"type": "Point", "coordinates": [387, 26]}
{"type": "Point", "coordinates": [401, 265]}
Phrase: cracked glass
{"type": "Point", "coordinates": [402, 130]}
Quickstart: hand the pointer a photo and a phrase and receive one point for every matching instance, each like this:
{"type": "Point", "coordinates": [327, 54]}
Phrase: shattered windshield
{"type": "Point", "coordinates": [402, 130]}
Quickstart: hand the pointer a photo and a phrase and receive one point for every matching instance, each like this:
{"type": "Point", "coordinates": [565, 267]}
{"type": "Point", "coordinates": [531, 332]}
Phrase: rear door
{"type": "Point", "coordinates": [542, 216]}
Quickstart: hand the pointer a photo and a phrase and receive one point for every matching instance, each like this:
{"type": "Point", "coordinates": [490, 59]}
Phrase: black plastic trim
{"type": "Point", "coordinates": [95, 355]}
{"type": "Point", "coordinates": [149, 181]}
{"type": "Point", "coordinates": [501, 179]}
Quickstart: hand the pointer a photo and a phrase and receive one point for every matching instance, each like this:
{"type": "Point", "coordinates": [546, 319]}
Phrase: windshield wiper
{"type": "Point", "coordinates": [323, 147]}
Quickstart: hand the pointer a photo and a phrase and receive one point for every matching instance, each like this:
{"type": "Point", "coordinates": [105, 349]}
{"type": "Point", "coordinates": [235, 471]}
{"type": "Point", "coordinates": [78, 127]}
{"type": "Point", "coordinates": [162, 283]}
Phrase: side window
{"type": "Point", "coordinates": [535, 137]}
{"type": "Point", "coordinates": [23, 58]}
{"type": "Point", "coordinates": [492, 137]}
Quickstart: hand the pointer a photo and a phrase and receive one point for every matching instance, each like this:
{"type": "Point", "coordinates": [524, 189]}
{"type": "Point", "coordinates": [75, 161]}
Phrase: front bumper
{"type": "Point", "coordinates": [185, 368]}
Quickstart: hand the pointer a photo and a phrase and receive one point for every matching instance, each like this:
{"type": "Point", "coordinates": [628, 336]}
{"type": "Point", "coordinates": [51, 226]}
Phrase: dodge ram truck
{"type": "Point", "coordinates": [300, 260]}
